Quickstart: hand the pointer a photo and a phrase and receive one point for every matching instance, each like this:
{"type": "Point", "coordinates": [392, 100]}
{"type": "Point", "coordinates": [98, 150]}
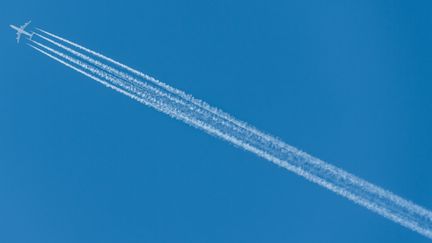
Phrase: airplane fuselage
{"type": "Point", "coordinates": [20, 31]}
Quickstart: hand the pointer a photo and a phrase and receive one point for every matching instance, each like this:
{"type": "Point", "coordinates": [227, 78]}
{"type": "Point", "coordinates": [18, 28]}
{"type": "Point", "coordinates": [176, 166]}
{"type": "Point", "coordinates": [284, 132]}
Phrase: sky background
{"type": "Point", "coordinates": [347, 81]}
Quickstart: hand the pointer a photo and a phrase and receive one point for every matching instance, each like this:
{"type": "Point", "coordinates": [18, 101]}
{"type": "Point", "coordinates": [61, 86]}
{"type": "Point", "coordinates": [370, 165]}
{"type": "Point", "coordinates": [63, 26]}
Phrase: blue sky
{"type": "Point", "coordinates": [346, 82]}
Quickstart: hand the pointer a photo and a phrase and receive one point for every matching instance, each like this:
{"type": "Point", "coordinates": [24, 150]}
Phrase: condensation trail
{"type": "Point", "coordinates": [141, 89]}
{"type": "Point", "coordinates": [168, 88]}
{"type": "Point", "coordinates": [130, 78]}
{"type": "Point", "coordinates": [194, 112]}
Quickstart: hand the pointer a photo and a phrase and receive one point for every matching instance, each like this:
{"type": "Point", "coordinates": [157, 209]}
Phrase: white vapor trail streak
{"type": "Point", "coordinates": [197, 113]}
{"type": "Point", "coordinates": [168, 88]}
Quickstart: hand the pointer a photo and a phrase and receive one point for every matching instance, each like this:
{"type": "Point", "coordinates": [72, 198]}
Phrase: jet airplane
{"type": "Point", "coordinates": [21, 31]}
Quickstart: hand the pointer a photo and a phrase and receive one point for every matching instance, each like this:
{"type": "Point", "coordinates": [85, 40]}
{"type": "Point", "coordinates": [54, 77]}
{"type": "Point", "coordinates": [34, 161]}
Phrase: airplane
{"type": "Point", "coordinates": [21, 31]}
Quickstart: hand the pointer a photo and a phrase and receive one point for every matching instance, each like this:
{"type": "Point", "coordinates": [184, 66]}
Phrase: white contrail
{"type": "Point", "coordinates": [145, 76]}
{"type": "Point", "coordinates": [219, 113]}
{"type": "Point", "coordinates": [131, 79]}
{"type": "Point", "coordinates": [97, 63]}
{"type": "Point", "coordinates": [168, 88]}
{"type": "Point", "coordinates": [142, 89]}
{"type": "Point", "coordinates": [239, 133]}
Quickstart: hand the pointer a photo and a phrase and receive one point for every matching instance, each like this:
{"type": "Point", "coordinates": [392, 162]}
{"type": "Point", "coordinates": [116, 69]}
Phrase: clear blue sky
{"type": "Point", "coordinates": [348, 82]}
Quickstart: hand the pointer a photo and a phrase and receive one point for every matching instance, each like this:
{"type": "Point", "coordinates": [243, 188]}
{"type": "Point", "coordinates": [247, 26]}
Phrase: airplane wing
{"type": "Point", "coordinates": [21, 30]}
{"type": "Point", "coordinates": [18, 36]}
{"type": "Point", "coordinates": [25, 25]}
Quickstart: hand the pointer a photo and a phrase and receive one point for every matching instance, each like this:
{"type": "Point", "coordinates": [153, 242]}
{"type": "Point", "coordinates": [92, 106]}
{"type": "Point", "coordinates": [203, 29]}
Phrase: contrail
{"type": "Point", "coordinates": [199, 114]}
{"type": "Point", "coordinates": [168, 88]}
{"type": "Point", "coordinates": [139, 83]}
{"type": "Point", "coordinates": [142, 89]}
